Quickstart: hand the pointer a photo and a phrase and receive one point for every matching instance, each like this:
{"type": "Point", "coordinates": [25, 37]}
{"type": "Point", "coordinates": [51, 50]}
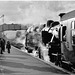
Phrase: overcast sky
{"type": "Point", "coordinates": [33, 12]}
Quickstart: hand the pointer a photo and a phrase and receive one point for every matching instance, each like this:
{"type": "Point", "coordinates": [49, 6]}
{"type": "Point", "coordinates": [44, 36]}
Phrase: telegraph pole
{"type": "Point", "coordinates": [2, 33]}
{"type": "Point", "coordinates": [2, 18]}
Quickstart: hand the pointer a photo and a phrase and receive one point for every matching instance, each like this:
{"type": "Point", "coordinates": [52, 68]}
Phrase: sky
{"type": "Point", "coordinates": [33, 12]}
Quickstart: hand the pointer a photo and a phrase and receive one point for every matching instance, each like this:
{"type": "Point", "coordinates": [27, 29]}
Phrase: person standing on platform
{"type": "Point", "coordinates": [4, 45]}
{"type": "Point", "coordinates": [8, 46]}
{"type": "Point", "coordinates": [1, 46]}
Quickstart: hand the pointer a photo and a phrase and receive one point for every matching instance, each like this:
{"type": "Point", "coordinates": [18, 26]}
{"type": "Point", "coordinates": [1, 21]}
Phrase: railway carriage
{"type": "Point", "coordinates": [67, 38]}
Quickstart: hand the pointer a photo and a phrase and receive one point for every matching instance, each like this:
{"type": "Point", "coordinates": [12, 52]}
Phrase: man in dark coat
{"type": "Point", "coordinates": [1, 45]}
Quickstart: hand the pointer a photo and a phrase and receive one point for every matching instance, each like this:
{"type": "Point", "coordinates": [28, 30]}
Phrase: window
{"type": "Point", "coordinates": [73, 31]}
{"type": "Point", "coordinates": [64, 33]}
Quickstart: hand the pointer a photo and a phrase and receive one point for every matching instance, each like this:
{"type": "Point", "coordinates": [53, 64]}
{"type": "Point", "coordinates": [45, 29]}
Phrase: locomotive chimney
{"type": "Point", "coordinates": [61, 14]}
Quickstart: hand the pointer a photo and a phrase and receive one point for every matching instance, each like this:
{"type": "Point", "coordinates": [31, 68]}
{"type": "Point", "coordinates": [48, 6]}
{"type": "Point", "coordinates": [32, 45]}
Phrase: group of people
{"type": "Point", "coordinates": [48, 36]}
{"type": "Point", "coordinates": [4, 45]}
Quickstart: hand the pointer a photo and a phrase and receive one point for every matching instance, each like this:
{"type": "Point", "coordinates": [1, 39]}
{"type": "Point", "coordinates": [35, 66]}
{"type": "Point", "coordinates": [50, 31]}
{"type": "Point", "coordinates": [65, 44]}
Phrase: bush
{"type": "Point", "coordinates": [20, 45]}
{"type": "Point", "coordinates": [17, 45]}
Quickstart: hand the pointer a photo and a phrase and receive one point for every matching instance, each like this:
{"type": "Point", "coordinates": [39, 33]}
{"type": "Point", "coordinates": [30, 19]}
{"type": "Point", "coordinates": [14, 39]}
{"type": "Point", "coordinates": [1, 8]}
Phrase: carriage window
{"type": "Point", "coordinates": [64, 33]}
{"type": "Point", "coordinates": [73, 24]}
{"type": "Point", "coordinates": [73, 32]}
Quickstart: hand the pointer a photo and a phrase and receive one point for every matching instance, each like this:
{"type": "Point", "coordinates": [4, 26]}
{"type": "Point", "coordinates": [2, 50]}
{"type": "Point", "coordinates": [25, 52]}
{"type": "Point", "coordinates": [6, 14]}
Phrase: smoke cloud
{"type": "Point", "coordinates": [33, 12]}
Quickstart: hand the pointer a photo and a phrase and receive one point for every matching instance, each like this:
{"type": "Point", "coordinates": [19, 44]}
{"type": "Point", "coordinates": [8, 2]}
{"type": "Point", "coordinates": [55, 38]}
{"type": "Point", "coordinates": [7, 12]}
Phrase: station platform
{"type": "Point", "coordinates": [21, 63]}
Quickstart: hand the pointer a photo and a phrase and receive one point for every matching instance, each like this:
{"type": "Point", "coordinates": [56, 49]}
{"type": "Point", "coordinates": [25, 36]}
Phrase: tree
{"type": "Point", "coordinates": [18, 34]}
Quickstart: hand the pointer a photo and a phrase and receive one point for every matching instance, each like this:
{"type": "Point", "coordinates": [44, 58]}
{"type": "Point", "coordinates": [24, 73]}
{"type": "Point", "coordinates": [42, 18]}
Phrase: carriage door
{"type": "Point", "coordinates": [68, 43]}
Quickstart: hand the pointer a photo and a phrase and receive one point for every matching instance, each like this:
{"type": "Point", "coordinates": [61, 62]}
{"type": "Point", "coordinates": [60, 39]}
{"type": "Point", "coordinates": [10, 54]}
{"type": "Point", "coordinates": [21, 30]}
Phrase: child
{"type": "Point", "coordinates": [8, 46]}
